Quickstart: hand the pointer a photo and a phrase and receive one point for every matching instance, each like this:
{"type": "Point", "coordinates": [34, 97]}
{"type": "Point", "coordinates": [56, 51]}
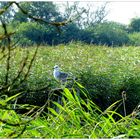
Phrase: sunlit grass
{"type": "Point", "coordinates": [76, 118]}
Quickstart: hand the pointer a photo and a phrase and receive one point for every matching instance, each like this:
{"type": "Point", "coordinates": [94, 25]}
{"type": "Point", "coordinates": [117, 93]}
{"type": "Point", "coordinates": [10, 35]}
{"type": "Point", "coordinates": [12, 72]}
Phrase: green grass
{"type": "Point", "coordinates": [104, 72]}
{"type": "Point", "coordinates": [71, 121]}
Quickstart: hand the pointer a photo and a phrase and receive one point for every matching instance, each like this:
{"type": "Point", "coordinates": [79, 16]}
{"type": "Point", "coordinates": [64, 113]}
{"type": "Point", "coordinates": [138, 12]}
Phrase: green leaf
{"type": "Point", "coordinates": [53, 111]}
{"type": "Point", "coordinates": [12, 97]}
{"type": "Point", "coordinates": [79, 85]}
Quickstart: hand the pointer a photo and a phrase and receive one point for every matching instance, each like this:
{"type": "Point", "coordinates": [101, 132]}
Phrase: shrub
{"type": "Point", "coordinates": [134, 39]}
{"type": "Point", "coordinates": [110, 33]}
{"type": "Point", "coordinates": [34, 33]}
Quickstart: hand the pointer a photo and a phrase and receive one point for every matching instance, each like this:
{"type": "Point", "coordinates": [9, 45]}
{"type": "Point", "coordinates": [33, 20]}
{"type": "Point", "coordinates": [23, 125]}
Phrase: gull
{"type": "Point", "coordinates": [60, 76]}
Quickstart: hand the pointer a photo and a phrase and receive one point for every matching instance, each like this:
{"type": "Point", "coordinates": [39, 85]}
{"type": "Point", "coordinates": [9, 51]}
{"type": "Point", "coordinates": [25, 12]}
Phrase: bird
{"type": "Point", "coordinates": [58, 75]}
{"type": "Point", "coordinates": [63, 77]}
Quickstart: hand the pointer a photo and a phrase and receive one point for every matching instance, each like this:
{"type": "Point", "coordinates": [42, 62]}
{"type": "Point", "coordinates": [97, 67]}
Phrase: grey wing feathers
{"type": "Point", "coordinates": [63, 75]}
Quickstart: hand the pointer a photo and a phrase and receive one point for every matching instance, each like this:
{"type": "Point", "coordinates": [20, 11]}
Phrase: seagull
{"type": "Point", "coordinates": [60, 76]}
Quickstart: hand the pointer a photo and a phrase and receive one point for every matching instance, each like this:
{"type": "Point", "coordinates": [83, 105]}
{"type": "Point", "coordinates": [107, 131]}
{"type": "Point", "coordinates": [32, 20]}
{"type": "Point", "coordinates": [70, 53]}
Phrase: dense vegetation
{"type": "Point", "coordinates": [72, 121]}
{"type": "Point", "coordinates": [92, 30]}
{"type": "Point", "coordinates": [102, 101]}
{"type": "Point", "coordinates": [105, 72]}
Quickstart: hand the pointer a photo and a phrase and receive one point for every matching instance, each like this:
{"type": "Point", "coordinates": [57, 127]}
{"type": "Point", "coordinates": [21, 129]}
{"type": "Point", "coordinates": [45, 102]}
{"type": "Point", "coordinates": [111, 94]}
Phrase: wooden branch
{"type": "Point", "coordinates": [9, 51]}
{"type": "Point", "coordinates": [6, 36]}
{"type": "Point", "coordinates": [56, 24]}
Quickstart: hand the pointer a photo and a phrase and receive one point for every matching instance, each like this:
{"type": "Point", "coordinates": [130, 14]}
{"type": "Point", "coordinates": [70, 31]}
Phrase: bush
{"type": "Point", "coordinates": [31, 33]}
{"type": "Point", "coordinates": [110, 33]}
{"type": "Point", "coordinates": [34, 33]}
{"type": "Point", "coordinates": [134, 39]}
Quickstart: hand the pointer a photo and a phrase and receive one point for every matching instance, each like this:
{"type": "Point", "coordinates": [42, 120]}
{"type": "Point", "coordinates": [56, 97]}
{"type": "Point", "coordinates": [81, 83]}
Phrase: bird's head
{"type": "Point", "coordinates": [56, 67]}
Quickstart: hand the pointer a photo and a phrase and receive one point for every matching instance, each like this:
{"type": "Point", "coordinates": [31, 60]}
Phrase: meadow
{"type": "Point", "coordinates": [102, 72]}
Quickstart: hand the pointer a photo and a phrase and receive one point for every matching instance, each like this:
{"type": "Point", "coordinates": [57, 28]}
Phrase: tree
{"type": "Point", "coordinates": [135, 25]}
{"type": "Point", "coordinates": [8, 15]}
{"type": "Point", "coordinates": [33, 32]}
{"type": "Point", "coordinates": [44, 10]}
{"type": "Point", "coordinates": [91, 15]}
{"type": "Point", "coordinates": [109, 33]}
{"type": "Point", "coordinates": [69, 33]}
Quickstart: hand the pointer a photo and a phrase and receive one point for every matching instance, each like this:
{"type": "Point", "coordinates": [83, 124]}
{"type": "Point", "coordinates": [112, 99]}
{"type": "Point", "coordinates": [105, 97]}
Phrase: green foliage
{"type": "Point", "coordinates": [102, 33]}
{"type": "Point", "coordinates": [30, 33]}
{"type": "Point", "coordinates": [45, 10]}
{"type": "Point", "coordinates": [69, 33]}
{"type": "Point", "coordinates": [109, 33]}
{"type": "Point", "coordinates": [8, 15]}
{"type": "Point", "coordinates": [134, 39]}
{"type": "Point", "coordinates": [33, 33]}
{"type": "Point", "coordinates": [76, 118]}
{"type": "Point", "coordinates": [104, 72]}
{"type": "Point", "coordinates": [135, 25]}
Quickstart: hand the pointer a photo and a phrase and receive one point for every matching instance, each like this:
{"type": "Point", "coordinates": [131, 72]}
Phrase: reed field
{"type": "Point", "coordinates": [107, 78]}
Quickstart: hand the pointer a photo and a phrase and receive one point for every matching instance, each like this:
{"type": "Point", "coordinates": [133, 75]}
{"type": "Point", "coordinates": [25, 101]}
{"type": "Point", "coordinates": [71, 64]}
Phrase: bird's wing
{"type": "Point", "coordinates": [63, 75]}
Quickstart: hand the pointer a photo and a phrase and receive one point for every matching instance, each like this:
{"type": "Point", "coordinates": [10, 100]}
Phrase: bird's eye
{"type": "Point", "coordinates": [56, 67]}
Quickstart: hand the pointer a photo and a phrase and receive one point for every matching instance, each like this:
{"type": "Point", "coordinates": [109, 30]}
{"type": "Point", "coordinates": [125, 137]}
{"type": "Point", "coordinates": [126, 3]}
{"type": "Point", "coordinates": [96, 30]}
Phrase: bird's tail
{"type": "Point", "coordinates": [71, 76]}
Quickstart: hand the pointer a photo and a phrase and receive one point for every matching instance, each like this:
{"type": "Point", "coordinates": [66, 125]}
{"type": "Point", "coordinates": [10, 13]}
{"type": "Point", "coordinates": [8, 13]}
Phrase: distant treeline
{"type": "Point", "coordinates": [90, 29]}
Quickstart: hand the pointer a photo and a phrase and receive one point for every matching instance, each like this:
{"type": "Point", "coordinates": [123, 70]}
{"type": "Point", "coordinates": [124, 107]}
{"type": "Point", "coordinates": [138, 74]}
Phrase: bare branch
{"type": "Point", "coordinates": [30, 65]}
{"type": "Point", "coordinates": [23, 64]}
{"type": "Point", "coordinates": [9, 52]}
